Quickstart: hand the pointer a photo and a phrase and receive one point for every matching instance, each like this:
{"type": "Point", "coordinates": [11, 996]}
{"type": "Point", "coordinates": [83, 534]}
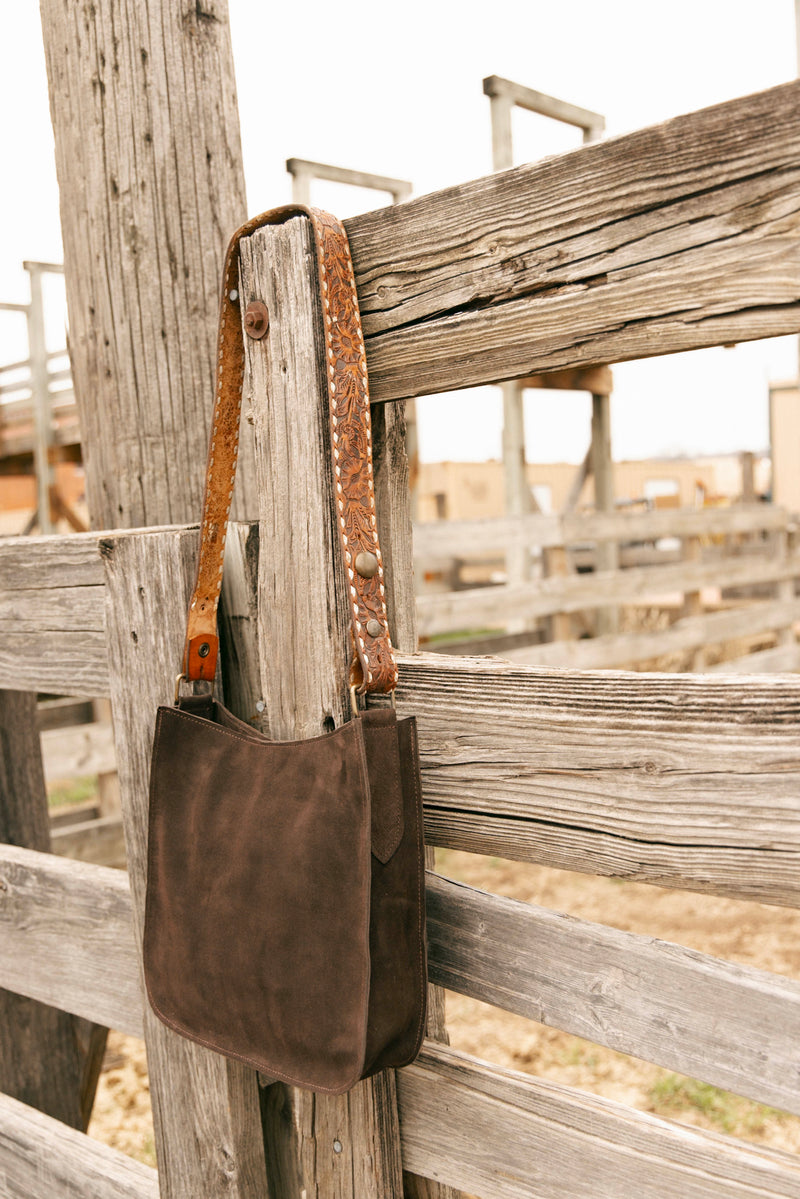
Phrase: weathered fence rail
{"type": "Point", "coordinates": [742, 546]}
{"type": "Point", "coordinates": [690, 781]}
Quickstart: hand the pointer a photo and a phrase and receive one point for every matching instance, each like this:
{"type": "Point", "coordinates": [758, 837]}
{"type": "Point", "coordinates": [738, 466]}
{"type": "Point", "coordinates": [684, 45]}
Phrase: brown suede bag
{"type": "Point", "coordinates": [284, 922]}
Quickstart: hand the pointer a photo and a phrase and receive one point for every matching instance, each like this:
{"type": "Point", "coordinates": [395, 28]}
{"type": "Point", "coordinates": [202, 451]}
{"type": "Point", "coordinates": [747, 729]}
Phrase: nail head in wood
{"type": "Point", "coordinates": [256, 319]}
{"type": "Point", "coordinates": [366, 565]}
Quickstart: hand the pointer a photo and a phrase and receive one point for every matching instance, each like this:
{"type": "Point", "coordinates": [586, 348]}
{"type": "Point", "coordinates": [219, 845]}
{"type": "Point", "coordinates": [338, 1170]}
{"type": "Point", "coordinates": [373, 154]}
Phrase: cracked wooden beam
{"type": "Point", "coordinates": [676, 237]}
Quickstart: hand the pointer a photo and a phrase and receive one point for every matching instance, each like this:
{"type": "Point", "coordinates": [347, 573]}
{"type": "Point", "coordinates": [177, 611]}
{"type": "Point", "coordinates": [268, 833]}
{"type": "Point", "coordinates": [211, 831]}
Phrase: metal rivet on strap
{"type": "Point", "coordinates": [256, 319]}
{"type": "Point", "coordinates": [366, 564]}
{"type": "Point", "coordinates": [204, 650]}
{"type": "Point", "coordinates": [374, 628]}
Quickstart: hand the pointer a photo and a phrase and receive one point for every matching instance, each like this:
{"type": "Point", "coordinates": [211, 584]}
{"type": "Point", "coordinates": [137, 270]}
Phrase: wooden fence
{"type": "Point", "coordinates": [741, 551]}
{"type": "Point", "coordinates": [680, 781]}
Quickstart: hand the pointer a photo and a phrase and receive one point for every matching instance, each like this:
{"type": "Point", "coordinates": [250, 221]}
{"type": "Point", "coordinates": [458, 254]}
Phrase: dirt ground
{"type": "Point", "coordinates": [750, 933]}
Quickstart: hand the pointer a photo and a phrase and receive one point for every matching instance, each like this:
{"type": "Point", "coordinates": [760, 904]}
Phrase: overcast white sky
{"type": "Point", "coordinates": [409, 103]}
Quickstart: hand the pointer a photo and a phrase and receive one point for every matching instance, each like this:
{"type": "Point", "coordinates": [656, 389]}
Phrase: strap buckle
{"type": "Point", "coordinates": [184, 678]}
{"type": "Point", "coordinates": [354, 708]}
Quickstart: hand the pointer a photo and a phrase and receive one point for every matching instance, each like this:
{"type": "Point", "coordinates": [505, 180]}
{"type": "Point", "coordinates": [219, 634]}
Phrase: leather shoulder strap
{"type": "Point", "coordinates": [374, 667]}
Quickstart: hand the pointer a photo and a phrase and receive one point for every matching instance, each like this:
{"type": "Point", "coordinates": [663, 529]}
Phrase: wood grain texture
{"type": "Point", "coordinates": [490, 606]}
{"type": "Point", "coordinates": [50, 562]}
{"type": "Point", "coordinates": [143, 102]}
{"type": "Point", "coordinates": [502, 1135]}
{"type": "Point", "coordinates": [686, 781]}
{"type": "Point", "coordinates": [46, 1059]}
{"type": "Point", "coordinates": [303, 630]}
{"type": "Point", "coordinates": [66, 937]}
{"type": "Point", "coordinates": [675, 237]}
{"type": "Point", "coordinates": [733, 1026]}
{"type": "Point", "coordinates": [468, 538]}
{"type": "Point", "coordinates": [205, 1107]}
{"type": "Point", "coordinates": [59, 663]}
{"type": "Point", "coordinates": [41, 1157]}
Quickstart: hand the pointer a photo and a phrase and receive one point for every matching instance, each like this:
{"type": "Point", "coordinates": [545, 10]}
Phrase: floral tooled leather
{"type": "Point", "coordinates": [374, 667]}
{"type": "Point", "coordinates": [351, 448]}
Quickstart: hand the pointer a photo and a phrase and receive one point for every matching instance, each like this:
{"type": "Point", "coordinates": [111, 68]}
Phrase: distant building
{"type": "Point", "coordinates": [471, 490]}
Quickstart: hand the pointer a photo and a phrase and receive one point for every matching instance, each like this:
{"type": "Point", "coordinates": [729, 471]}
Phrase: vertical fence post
{"type": "Point", "coordinates": [48, 1059]}
{"type": "Point", "coordinates": [40, 395]}
{"type": "Point", "coordinates": [143, 102]}
{"type": "Point", "coordinates": [606, 552]}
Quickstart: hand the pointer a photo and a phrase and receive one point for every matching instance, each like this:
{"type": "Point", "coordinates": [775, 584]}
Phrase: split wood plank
{"type": "Point", "coordinates": [66, 937]}
{"type": "Point", "coordinates": [490, 606]}
{"type": "Point", "coordinates": [733, 1026]}
{"type": "Point", "coordinates": [47, 1058]}
{"type": "Point", "coordinates": [602, 653]}
{"type": "Point", "coordinates": [143, 101]}
{"type": "Point", "coordinates": [674, 237]}
{"type": "Point", "coordinates": [205, 1107]}
{"type": "Point", "coordinates": [303, 617]}
{"type": "Point", "coordinates": [687, 781]}
{"type": "Point", "coordinates": [41, 1156]}
{"type": "Point", "coordinates": [470, 538]}
{"type": "Point", "coordinates": [503, 1135]}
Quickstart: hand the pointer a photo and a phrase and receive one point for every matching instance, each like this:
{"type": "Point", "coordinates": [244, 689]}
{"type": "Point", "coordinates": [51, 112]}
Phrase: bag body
{"type": "Point", "coordinates": [284, 923]}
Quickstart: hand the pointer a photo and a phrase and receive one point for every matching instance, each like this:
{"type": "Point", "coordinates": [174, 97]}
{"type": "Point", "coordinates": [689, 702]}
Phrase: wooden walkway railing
{"type": "Point", "coordinates": [681, 781]}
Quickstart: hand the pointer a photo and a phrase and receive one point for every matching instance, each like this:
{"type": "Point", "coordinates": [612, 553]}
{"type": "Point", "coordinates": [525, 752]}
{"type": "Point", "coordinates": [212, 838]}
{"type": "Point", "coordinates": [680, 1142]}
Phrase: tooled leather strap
{"type": "Point", "coordinates": [374, 667]}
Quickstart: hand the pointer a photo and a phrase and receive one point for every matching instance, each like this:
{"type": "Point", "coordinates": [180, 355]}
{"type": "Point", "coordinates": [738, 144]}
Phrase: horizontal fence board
{"type": "Point", "coordinates": [688, 781]}
{"type": "Point", "coordinates": [667, 239]}
{"type": "Point", "coordinates": [59, 663]}
{"type": "Point", "coordinates": [51, 612]}
{"type": "Point", "coordinates": [41, 1158]}
{"type": "Point", "coordinates": [50, 562]}
{"type": "Point", "coordinates": [501, 1135]}
{"type": "Point", "coordinates": [779, 657]}
{"type": "Point", "coordinates": [729, 1025]}
{"type": "Point", "coordinates": [66, 937]}
{"type": "Point", "coordinates": [78, 750]}
{"type": "Point", "coordinates": [469, 538]}
{"type": "Point", "coordinates": [691, 632]}
{"type": "Point", "coordinates": [98, 839]}
{"type": "Point", "coordinates": [42, 610]}
{"type": "Point", "coordinates": [454, 610]}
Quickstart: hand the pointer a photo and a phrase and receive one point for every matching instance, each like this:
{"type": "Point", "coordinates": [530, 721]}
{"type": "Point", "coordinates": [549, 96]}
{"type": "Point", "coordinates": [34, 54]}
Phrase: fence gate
{"type": "Point", "coordinates": [672, 238]}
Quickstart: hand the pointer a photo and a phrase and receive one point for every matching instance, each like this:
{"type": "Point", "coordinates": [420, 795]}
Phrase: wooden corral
{"type": "Point", "coordinates": [730, 552]}
{"type": "Point", "coordinates": [667, 239]}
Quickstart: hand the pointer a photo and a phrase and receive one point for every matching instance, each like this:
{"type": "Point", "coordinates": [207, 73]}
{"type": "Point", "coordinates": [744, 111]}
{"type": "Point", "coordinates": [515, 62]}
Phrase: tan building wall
{"type": "Point", "coordinates": [471, 490]}
{"type": "Point", "coordinates": [784, 426]}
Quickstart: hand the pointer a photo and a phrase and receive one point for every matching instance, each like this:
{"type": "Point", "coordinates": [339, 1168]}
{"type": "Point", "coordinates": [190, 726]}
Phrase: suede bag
{"type": "Point", "coordinates": [285, 911]}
